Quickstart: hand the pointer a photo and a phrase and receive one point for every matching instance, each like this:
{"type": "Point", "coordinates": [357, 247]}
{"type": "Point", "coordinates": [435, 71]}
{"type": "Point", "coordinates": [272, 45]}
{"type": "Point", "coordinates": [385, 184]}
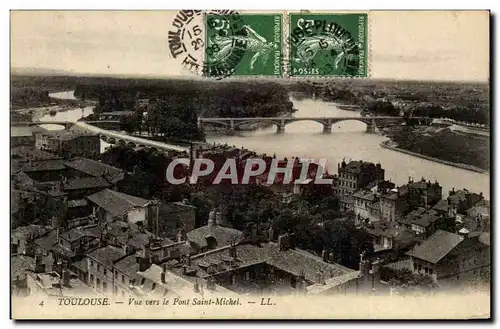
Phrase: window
{"type": "Point", "coordinates": [247, 275]}
{"type": "Point", "coordinates": [123, 293]}
{"type": "Point", "coordinates": [116, 275]}
{"type": "Point", "coordinates": [142, 281]}
{"type": "Point", "coordinates": [104, 271]}
{"type": "Point", "coordinates": [98, 267]}
{"type": "Point", "coordinates": [91, 263]}
{"type": "Point", "coordinates": [104, 286]}
{"type": "Point", "coordinates": [154, 286]}
{"type": "Point", "coordinates": [431, 272]}
{"type": "Point", "coordinates": [123, 279]}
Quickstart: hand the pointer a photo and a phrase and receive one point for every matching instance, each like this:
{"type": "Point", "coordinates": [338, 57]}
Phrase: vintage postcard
{"type": "Point", "coordinates": [226, 164]}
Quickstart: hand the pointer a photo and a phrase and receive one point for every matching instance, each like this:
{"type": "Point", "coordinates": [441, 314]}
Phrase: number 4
{"type": "Point", "coordinates": [41, 303]}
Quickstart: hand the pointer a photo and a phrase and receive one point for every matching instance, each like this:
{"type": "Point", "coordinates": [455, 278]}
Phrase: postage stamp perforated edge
{"type": "Point", "coordinates": [285, 45]}
{"type": "Point", "coordinates": [274, 55]}
{"type": "Point", "coordinates": [346, 39]}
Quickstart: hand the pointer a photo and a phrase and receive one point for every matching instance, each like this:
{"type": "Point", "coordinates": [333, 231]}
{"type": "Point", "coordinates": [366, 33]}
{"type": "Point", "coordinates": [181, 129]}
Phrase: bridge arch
{"type": "Point", "coordinates": [121, 142]}
{"type": "Point", "coordinates": [131, 145]}
{"type": "Point", "coordinates": [270, 122]}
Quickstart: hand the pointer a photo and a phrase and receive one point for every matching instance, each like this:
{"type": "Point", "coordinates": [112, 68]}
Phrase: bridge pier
{"type": "Point", "coordinates": [231, 124]}
{"type": "Point", "coordinates": [280, 129]}
{"type": "Point", "coordinates": [327, 129]}
{"type": "Point", "coordinates": [370, 129]}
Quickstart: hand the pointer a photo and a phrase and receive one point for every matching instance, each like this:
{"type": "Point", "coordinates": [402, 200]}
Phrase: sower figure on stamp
{"type": "Point", "coordinates": [254, 43]}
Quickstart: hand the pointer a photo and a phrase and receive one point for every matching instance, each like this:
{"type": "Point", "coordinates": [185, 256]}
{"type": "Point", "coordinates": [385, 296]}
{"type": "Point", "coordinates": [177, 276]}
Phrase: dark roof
{"type": "Point", "coordinates": [18, 266]}
{"type": "Point", "coordinates": [58, 249]}
{"type": "Point", "coordinates": [436, 247]}
{"type": "Point", "coordinates": [107, 255]}
{"type": "Point", "coordinates": [116, 203]}
{"type": "Point", "coordinates": [43, 165]}
{"type": "Point", "coordinates": [356, 167]}
{"type": "Point", "coordinates": [78, 233]}
{"type": "Point", "coordinates": [81, 265]}
{"type": "Point", "coordinates": [364, 194]}
{"type": "Point", "coordinates": [85, 182]}
{"type": "Point", "coordinates": [223, 235]}
{"type": "Point", "coordinates": [96, 169]}
{"type": "Point", "coordinates": [128, 266]}
{"type": "Point", "coordinates": [442, 205]}
{"type": "Point", "coordinates": [77, 203]}
{"type": "Point", "coordinates": [31, 153]}
{"type": "Point", "coordinates": [48, 241]}
{"type": "Point", "coordinates": [29, 230]}
{"type": "Point", "coordinates": [293, 261]}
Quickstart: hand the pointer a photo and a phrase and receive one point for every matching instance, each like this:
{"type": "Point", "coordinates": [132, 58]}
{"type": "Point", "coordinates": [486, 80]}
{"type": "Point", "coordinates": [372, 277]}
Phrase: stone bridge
{"type": "Point", "coordinates": [327, 122]}
{"type": "Point", "coordinates": [109, 136]}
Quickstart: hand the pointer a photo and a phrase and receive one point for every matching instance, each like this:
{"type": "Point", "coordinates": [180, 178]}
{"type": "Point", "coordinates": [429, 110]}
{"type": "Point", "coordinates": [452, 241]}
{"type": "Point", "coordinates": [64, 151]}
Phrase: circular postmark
{"type": "Point", "coordinates": [208, 43]}
{"type": "Point", "coordinates": [319, 47]}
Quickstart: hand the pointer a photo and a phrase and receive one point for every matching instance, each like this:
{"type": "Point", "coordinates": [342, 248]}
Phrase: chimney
{"type": "Point", "coordinates": [324, 255]}
{"type": "Point", "coordinates": [376, 272]}
{"type": "Point", "coordinates": [271, 233]}
{"type": "Point", "coordinates": [179, 236]}
{"type": "Point", "coordinates": [143, 259]}
{"type": "Point", "coordinates": [331, 257]}
{"type": "Point", "coordinates": [39, 266]}
{"type": "Point", "coordinates": [232, 251]}
{"type": "Point", "coordinates": [364, 265]}
{"type": "Point", "coordinates": [188, 260]}
{"type": "Point", "coordinates": [66, 275]}
{"type": "Point", "coordinates": [163, 273]}
{"type": "Point", "coordinates": [196, 287]}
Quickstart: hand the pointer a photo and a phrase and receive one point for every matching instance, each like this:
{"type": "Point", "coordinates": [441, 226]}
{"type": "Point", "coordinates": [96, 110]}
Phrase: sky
{"type": "Point", "coordinates": [410, 45]}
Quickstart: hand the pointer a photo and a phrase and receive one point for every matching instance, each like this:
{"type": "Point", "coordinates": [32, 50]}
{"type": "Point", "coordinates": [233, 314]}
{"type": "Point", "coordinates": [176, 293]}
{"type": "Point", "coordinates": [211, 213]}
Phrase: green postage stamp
{"type": "Point", "coordinates": [243, 45]}
{"type": "Point", "coordinates": [320, 45]}
{"type": "Point", "coordinates": [333, 45]}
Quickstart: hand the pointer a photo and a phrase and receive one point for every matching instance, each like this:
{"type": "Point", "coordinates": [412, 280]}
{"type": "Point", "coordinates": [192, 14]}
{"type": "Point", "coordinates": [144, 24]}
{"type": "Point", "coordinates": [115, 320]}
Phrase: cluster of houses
{"type": "Point", "coordinates": [446, 238]}
{"type": "Point", "coordinates": [75, 233]}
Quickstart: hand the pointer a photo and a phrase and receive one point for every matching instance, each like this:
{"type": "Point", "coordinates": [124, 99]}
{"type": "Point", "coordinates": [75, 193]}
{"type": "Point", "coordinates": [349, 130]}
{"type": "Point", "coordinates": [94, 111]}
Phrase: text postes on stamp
{"type": "Point", "coordinates": [333, 45]}
{"type": "Point", "coordinates": [243, 45]}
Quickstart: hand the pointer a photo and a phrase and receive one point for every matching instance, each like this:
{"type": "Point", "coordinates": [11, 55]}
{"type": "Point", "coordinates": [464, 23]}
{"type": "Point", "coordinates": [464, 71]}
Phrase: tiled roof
{"type": "Point", "coordinates": [19, 264]}
{"type": "Point", "coordinates": [292, 260]}
{"type": "Point", "coordinates": [48, 241]}
{"type": "Point", "coordinates": [77, 203]}
{"type": "Point", "coordinates": [86, 182]}
{"type": "Point", "coordinates": [81, 265]}
{"type": "Point", "coordinates": [96, 169]}
{"type": "Point", "coordinates": [365, 195]}
{"type": "Point", "coordinates": [223, 235]}
{"type": "Point", "coordinates": [31, 153]}
{"type": "Point", "coordinates": [442, 205]}
{"type": "Point", "coordinates": [78, 233]}
{"type": "Point", "coordinates": [116, 203]}
{"type": "Point", "coordinates": [128, 266]}
{"type": "Point", "coordinates": [436, 247]}
{"type": "Point", "coordinates": [43, 165]}
{"type": "Point", "coordinates": [29, 230]}
{"type": "Point", "coordinates": [107, 255]}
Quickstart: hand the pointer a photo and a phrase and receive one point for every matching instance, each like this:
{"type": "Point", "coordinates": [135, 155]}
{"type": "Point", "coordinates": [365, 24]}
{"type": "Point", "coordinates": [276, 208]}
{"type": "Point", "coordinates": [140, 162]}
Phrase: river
{"type": "Point", "coordinates": [348, 140]}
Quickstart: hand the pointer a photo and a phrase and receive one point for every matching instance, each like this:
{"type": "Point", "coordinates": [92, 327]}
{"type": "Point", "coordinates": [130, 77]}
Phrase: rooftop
{"type": "Point", "coordinates": [116, 203]}
{"type": "Point", "coordinates": [294, 261]}
{"type": "Point", "coordinates": [436, 247]}
{"type": "Point", "coordinates": [107, 255]}
{"type": "Point", "coordinates": [96, 169]}
{"type": "Point", "coordinates": [128, 266]}
{"type": "Point", "coordinates": [18, 266]}
{"type": "Point", "coordinates": [31, 153]}
{"type": "Point", "coordinates": [42, 165]}
{"type": "Point", "coordinates": [223, 235]}
{"type": "Point", "coordinates": [85, 182]}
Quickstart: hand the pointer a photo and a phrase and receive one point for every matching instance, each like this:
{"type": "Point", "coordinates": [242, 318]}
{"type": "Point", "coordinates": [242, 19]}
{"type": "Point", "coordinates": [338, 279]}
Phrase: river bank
{"type": "Point", "coordinates": [391, 145]}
